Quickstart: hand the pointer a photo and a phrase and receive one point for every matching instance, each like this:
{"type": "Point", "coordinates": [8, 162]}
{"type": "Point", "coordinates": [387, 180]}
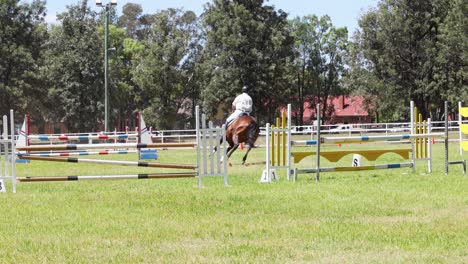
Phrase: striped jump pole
{"type": "Point", "coordinates": [82, 137]}
{"type": "Point", "coordinates": [113, 162]}
{"type": "Point", "coordinates": [361, 168]}
{"type": "Point", "coordinates": [109, 177]}
{"type": "Point", "coordinates": [80, 153]}
{"type": "Point", "coordinates": [104, 146]}
{"type": "Point", "coordinates": [363, 139]}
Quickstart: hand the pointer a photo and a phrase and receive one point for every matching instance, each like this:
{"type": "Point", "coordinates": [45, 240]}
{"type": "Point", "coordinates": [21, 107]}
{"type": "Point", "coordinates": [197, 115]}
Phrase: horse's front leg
{"type": "Point", "coordinates": [231, 150]}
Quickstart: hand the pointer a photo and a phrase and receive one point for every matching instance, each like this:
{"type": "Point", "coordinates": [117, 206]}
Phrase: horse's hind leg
{"type": "Point", "coordinates": [246, 154]}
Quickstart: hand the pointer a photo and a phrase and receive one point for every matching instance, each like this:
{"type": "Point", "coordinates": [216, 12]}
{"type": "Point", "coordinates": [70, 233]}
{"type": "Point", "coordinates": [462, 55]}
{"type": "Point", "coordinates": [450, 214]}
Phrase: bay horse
{"type": "Point", "coordinates": [242, 130]}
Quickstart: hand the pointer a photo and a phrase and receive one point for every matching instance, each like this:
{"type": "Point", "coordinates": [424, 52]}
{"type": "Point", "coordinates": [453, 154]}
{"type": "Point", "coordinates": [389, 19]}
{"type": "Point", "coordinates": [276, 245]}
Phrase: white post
{"type": "Point", "coordinates": [197, 129]}
{"type": "Point", "coordinates": [267, 171]}
{"type": "Point", "coordinates": [317, 165]}
{"type": "Point", "coordinates": [13, 151]}
{"type": "Point", "coordinates": [223, 131]}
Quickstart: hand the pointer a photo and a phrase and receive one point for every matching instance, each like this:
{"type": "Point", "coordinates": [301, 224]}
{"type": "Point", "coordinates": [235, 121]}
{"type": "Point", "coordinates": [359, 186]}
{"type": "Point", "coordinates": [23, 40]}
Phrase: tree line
{"type": "Point", "coordinates": [163, 64]}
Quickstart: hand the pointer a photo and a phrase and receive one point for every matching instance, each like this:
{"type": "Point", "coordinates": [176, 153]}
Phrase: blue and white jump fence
{"type": "Point", "coordinates": [208, 164]}
{"type": "Point", "coordinates": [143, 135]}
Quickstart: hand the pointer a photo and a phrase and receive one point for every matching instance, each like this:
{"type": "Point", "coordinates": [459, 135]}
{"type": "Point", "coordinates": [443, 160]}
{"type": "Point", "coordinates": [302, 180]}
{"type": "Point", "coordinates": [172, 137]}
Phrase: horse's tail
{"type": "Point", "coordinates": [253, 131]}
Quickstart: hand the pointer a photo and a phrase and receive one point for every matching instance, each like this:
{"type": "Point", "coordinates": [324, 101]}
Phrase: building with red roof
{"type": "Point", "coordinates": [343, 110]}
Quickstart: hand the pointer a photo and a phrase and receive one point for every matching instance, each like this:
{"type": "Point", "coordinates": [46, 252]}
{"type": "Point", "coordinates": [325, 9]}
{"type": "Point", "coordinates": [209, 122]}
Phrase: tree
{"type": "Point", "coordinates": [130, 19]}
{"type": "Point", "coordinates": [402, 48]}
{"type": "Point", "coordinates": [246, 43]}
{"type": "Point", "coordinates": [165, 69]}
{"type": "Point", "coordinates": [319, 63]}
{"type": "Point", "coordinates": [74, 69]}
{"type": "Point", "coordinates": [22, 32]}
{"type": "Point", "coordinates": [451, 71]}
{"type": "Point", "coordinates": [122, 90]}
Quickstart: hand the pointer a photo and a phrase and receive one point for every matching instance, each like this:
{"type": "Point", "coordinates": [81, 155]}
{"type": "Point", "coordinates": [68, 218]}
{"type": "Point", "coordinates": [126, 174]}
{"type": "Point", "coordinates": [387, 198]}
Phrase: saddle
{"type": "Point", "coordinates": [241, 115]}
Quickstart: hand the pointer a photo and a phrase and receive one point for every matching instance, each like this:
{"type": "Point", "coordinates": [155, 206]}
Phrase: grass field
{"type": "Point", "coordinates": [385, 216]}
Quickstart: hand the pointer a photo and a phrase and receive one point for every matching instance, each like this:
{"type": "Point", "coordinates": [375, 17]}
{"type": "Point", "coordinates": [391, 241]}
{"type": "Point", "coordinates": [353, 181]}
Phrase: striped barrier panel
{"type": "Point", "coordinates": [361, 168]}
{"type": "Point", "coordinates": [335, 156]}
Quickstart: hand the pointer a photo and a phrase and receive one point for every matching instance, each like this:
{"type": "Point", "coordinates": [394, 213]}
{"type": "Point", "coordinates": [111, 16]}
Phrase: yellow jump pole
{"type": "Point", "coordinates": [278, 140]}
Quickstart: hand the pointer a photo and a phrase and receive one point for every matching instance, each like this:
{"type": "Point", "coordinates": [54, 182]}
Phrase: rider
{"type": "Point", "coordinates": [241, 105]}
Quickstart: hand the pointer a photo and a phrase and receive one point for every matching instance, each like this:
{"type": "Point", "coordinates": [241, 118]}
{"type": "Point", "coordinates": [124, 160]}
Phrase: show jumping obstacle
{"type": "Point", "coordinates": [143, 135]}
{"type": "Point", "coordinates": [207, 164]}
{"type": "Point", "coordinates": [463, 130]}
{"type": "Point", "coordinates": [279, 144]}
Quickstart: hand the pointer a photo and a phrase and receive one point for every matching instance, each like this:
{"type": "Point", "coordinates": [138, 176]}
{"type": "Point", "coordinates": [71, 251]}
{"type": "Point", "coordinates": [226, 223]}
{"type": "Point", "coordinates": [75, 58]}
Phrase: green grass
{"type": "Point", "coordinates": [384, 216]}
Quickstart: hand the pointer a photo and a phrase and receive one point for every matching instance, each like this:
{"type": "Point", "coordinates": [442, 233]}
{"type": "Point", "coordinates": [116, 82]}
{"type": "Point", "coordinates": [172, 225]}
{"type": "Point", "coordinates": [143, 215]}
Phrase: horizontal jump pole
{"type": "Point", "coordinates": [80, 153]}
{"type": "Point", "coordinates": [104, 146]}
{"type": "Point", "coordinates": [334, 156]}
{"type": "Point", "coordinates": [108, 177]}
{"type": "Point", "coordinates": [343, 140]}
{"type": "Point", "coordinates": [82, 137]}
{"type": "Point", "coordinates": [361, 168]}
{"type": "Point", "coordinates": [113, 162]}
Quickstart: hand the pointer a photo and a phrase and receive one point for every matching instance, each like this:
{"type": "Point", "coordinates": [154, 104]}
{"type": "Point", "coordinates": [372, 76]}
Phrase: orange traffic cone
{"type": "Point", "coordinates": [241, 146]}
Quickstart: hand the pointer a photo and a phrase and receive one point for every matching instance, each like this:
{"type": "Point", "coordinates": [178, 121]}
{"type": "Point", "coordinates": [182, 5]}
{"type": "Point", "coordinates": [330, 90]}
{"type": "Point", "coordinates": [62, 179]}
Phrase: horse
{"type": "Point", "coordinates": [242, 130]}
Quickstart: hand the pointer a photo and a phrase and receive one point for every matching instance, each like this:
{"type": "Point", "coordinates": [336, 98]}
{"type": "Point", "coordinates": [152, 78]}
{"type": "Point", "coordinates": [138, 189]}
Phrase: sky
{"type": "Point", "coordinates": [342, 12]}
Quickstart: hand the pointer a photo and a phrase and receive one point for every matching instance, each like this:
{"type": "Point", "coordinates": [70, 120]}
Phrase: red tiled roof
{"type": "Point", "coordinates": [352, 106]}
